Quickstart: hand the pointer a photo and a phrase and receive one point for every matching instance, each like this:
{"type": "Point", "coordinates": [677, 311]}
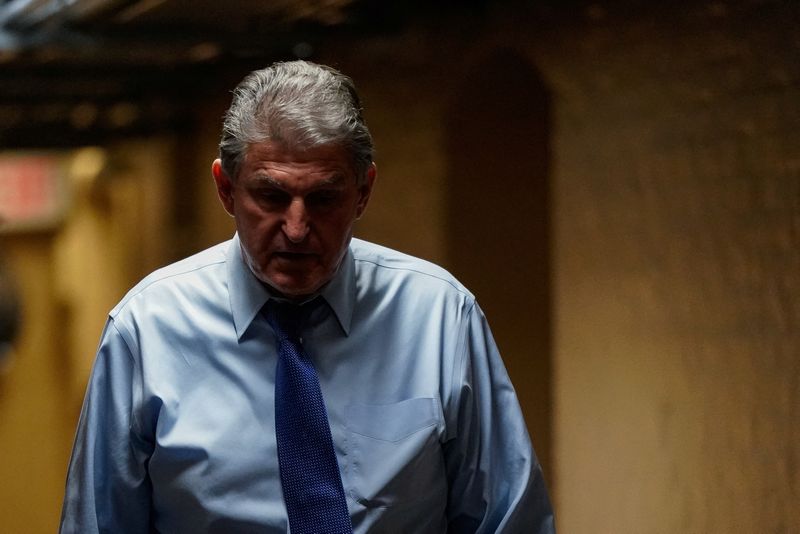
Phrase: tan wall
{"type": "Point", "coordinates": [677, 268]}
{"type": "Point", "coordinates": [34, 422]}
{"type": "Point", "coordinates": [69, 277]}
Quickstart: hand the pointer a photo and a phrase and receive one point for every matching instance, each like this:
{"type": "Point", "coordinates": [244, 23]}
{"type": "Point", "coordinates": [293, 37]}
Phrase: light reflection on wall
{"type": "Point", "coordinates": [70, 272]}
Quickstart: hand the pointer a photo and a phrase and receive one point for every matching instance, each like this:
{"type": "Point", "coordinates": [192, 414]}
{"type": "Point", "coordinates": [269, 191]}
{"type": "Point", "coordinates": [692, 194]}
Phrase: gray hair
{"type": "Point", "coordinates": [299, 104]}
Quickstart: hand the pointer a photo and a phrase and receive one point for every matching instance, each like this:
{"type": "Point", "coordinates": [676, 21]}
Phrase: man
{"type": "Point", "coordinates": [293, 376]}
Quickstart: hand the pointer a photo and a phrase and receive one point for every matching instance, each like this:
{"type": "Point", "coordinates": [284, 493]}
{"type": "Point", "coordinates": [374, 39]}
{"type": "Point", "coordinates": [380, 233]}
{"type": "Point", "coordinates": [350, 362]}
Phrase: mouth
{"type": "Point", "coordinates": [294, 256]}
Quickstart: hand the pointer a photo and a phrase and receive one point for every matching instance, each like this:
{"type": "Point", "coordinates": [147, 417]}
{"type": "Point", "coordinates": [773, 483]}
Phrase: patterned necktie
{"type": "Point", "coordinates": [312, 486]}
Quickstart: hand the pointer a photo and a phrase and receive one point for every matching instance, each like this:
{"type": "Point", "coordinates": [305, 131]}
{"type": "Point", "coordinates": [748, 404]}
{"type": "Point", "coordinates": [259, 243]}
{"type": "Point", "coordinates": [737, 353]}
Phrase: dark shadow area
{"type": "Point", "coordinates": [497, 211]}
{"type": "Point", "coordinates": [10, 315]}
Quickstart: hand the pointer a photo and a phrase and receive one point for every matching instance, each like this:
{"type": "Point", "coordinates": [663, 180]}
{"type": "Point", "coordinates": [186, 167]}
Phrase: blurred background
{"type": "Point", "coordinates": [617, 181]}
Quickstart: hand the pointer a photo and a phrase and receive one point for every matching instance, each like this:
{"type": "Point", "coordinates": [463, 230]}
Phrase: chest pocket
{"type": "Point", "coordinates": [393, 453]}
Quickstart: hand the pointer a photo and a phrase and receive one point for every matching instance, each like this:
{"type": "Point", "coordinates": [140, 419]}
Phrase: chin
{"type": "Point", "coordinates": [291, 288]}
{"type": "Point", "coordinates": [290, 283]}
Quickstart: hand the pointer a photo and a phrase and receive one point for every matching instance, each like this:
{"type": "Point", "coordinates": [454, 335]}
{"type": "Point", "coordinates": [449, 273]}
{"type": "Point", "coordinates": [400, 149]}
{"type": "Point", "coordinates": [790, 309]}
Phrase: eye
{"type": "Point", "coordinates": [274, 197]}
{"type": "Point", "coordinates": [323, 198]}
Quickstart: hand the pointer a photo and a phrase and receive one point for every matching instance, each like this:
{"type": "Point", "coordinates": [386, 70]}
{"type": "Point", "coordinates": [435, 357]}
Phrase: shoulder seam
{"type": "Point", "coordinates": [158, 279]}
{"type": "Point", "coordinates": [455, 286]}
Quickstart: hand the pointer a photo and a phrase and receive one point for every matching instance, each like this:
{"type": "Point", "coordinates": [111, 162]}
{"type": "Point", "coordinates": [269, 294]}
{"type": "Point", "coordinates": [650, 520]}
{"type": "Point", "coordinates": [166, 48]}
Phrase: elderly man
{"type": "Point", "coordinates": [295, 378]}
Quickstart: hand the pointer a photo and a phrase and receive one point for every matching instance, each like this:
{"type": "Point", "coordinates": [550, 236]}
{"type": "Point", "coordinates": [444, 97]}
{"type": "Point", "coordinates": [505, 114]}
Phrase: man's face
{"type": "Point", "coordinates": [294, 211]}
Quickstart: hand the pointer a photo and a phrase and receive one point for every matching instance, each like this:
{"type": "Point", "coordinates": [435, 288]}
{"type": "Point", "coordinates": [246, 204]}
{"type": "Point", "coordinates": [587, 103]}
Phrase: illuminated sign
{"type": "Point", "coordinates": [33, 193]}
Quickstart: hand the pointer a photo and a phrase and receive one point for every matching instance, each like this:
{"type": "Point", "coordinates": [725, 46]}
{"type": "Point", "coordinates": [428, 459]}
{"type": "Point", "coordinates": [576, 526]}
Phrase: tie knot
{"type": "Point", "coordinates": [287, 319]}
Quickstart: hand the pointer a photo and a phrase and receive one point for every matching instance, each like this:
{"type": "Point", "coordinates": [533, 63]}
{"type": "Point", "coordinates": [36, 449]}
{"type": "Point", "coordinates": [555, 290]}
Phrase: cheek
{"type": "Point", "coordinates": [256, 229]}
{"type": "Point", "coordinates": [335, 230]}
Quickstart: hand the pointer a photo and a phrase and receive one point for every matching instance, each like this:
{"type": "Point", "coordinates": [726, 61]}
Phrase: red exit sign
{"type": "Point", "coordinates": [32, 192]}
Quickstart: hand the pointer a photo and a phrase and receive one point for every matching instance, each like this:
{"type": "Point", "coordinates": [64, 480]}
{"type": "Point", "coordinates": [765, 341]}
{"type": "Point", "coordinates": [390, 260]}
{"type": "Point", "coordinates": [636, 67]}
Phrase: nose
{"type": "Point", "coordinates": [296, 223]}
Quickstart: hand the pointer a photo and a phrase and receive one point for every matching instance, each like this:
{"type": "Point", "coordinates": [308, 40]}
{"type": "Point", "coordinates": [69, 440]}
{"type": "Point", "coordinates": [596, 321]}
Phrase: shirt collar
{"type": "Point", "coordinates": [340, 292]}
{"type": "Point", "coordinates": [248, 294]}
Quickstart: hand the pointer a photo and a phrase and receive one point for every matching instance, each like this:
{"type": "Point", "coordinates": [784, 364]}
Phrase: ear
{"type": "Point", "coordinates": [224, 186]}
{"type": "Point", "coordinates": [365, 190]}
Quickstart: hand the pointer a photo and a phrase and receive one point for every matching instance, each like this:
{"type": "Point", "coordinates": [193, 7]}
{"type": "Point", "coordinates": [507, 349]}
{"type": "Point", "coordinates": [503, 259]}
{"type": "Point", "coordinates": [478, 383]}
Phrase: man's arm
{"type": "Point", "coordinates": [108, 489]}
{"type": "Point", "coordinates": [496, 483]}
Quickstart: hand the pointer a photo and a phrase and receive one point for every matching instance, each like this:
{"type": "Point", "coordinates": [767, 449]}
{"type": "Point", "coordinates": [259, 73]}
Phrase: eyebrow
{"type": "Point", "coordinates": [333, 180]}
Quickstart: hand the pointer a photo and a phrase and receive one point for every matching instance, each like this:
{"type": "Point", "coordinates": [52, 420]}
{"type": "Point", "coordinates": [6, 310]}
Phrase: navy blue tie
{"type": "Point", "coordinates": [312, 486]}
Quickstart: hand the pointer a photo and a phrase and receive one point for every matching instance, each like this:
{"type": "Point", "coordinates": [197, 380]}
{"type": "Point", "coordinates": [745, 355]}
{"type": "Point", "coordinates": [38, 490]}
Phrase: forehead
{"type": "Point", "coordinates": [276, 158]}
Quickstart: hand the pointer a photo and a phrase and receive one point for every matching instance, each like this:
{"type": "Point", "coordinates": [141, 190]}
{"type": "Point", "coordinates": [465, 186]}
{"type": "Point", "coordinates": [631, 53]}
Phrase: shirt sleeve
{"type": "Point", "coordinates": [107, 488]}
{"type": "Point", "coordinates": [496, 482]}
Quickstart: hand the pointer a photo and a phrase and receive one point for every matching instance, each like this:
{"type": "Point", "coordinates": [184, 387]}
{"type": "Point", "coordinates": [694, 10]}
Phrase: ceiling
{"type": "Point", "coordinates": [78, 71]}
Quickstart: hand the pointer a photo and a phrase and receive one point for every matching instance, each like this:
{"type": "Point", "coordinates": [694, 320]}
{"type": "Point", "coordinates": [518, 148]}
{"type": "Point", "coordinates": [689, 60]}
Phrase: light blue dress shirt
{"type": "Point", "coordinates": [177, 431]}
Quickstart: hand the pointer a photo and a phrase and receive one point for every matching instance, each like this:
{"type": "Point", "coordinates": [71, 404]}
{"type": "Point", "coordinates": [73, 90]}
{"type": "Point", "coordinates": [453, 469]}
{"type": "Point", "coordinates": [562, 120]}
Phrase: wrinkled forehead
{"type": "Point", "coordinates": [328, 156]}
